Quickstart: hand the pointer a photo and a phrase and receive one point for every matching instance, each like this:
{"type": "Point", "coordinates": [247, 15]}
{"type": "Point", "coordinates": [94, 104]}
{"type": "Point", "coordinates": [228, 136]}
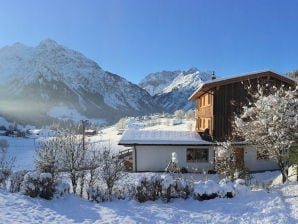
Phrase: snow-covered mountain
{"type": "Point", "coordinates": [36, 82]}
{"type": "Point", "coordinates": [154, 83]}
{"type": "Point", "coordinates": [171, 90]}
{"type": "Point", "coordinates": [293, 74]}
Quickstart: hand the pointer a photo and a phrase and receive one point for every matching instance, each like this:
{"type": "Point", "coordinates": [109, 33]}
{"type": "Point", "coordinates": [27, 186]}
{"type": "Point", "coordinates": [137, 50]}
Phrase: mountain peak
{"type": "Point", "coordinates": [192, 70]}
{"type": "Point", "coordinates": [172, 89]}
{"type": "Point", "coordinates": [18, 45]}
{"type": "Point", "coordinates": [48, 43]}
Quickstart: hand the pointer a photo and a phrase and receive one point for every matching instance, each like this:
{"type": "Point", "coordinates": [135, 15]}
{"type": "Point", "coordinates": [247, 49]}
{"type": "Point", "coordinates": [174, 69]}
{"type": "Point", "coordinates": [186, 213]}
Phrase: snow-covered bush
{"type": "Point", "coordinates": [148, 188]}
{"type": "Point", "coordinates": [227, 165]}
{"type": "Point", "coordinates": [164, 187]}
{"type": "Point", "coordinates": [5, 163]}
{"type": "Point", "coordinates": [61, 188]}
{"type": "Point", "coordinates": [46, 185]}
{"type": "Point", "coordinates": [4, 175]}
{"type": "Point", "coordinates": [30, 185]}
{"type": "Point", "coordinates": [38, 184]}
{"type": "Point", "coordinates": [205, 190]}
{"type": "Point", "coordinates": [97, 194]}
{"type": "Point", "coordinates": [174, 186]}
{"type": "Point", "coordinates": [124, 191]}
{"type": "Point", "coordinates": [227, 188]}
{"type": "Point", "coordinates": [16, 180]}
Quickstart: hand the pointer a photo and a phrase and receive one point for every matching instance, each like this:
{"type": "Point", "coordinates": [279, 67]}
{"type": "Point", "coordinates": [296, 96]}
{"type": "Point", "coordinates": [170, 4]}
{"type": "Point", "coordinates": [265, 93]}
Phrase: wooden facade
{"type": "Point", "coordinates": [218, 100]}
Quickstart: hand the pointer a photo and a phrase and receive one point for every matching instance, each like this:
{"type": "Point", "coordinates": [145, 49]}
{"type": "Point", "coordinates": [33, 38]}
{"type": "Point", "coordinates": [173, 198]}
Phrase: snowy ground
{"type": "Point", "coordinates": [280, 205]}
{"type": "Point", "coordinates": [24, 148]}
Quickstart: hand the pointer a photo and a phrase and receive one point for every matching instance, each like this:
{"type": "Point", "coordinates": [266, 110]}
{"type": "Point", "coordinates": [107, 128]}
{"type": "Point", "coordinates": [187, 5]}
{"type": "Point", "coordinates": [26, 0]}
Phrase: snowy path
{"type": "Point", "coordinates": [290, 196]}
{"type": "Point", "coordinates": [254, 207]}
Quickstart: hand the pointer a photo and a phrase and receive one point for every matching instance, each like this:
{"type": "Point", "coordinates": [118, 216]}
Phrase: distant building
{"type": "Point", "coordinates": [90, 132]}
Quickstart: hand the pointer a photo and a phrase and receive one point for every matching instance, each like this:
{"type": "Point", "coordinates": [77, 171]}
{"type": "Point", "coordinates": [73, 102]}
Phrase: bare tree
{"type": "Point", "coordinates": [122, 124]}
{"type": "Point", "coordinates": [179, 114]}
{"type": "Point", "coordinates": [93, 159]}
{"type": "Point", "coordinates": [72, 158]}
{"type": "Point", "coordinates": [48, 154]}
{"type": "Point", "coordinates": [190, 114]}
{"type": "Point", "coordinates": [270, 122]}
{"type": "Point", "coordinates": [112, 169]}
{"type": "Point", "coordinates": [63, 153]}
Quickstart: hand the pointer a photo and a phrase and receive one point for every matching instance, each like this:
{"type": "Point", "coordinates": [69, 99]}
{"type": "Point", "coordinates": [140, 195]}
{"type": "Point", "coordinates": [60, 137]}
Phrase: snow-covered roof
{"type": "Point", "coordinates": [236, 78]}
{"type": "Point", "coordinates": [154, 137]}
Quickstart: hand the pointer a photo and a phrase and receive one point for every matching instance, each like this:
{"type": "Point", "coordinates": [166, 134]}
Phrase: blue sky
{"type": "Point", "coordinates": [135, 37]}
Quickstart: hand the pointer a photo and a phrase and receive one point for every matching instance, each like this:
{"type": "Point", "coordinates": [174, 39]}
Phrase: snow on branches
{"type": "Point", "coordinates": [270, 122]}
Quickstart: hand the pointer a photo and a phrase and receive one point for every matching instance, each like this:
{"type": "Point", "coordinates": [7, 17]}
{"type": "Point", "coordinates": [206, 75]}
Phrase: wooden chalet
{"type": "Point", "coordinates": [216, 103]}
{"type": "Point", "coordinates": [219, 99]}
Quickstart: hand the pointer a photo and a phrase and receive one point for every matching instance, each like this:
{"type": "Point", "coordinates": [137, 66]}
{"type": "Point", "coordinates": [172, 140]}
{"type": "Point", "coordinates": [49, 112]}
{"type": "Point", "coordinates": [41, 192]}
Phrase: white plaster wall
{"type": "Point", "coordinates": [251, 162]}
{"type": "Point", "coordinates": [156, 158]}
{"type": "Point", "coordinates": [293, 173]}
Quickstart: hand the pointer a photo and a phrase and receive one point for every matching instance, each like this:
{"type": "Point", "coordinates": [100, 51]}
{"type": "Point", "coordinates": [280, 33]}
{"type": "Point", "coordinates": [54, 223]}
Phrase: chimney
{"type": "Point", "coordinates": [213, 76]}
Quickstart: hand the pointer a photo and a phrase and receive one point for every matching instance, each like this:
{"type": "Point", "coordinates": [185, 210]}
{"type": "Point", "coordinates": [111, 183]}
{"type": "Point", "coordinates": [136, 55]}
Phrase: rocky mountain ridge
{"type": "Point", "coordinates": [172, 89]}
{"type": "Point", "coordinates": [34, 80]}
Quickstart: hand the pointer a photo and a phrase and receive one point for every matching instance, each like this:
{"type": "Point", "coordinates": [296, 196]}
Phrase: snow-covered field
{"type": "Point", "coordinates": [24, 148]}
{"type": "Point", "coordinates": [279, 205]}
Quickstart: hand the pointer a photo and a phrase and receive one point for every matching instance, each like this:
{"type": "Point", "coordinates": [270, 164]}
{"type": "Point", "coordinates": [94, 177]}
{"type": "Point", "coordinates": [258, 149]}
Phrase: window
{"type": "Point", "coordinates": [197, 155]}
{"type": "Point", "coordinates": [202, 123]}
{"type": "Point", "coordinates": [209, 99]}
{"type": "Point", "coordinates": [262, 155]}
{"type": "Point", "coordinates": [205, 100]}
{"type": "Point", "coordinates": [205, 123]}
{"type": "Point", "coordinates": [209, 122]}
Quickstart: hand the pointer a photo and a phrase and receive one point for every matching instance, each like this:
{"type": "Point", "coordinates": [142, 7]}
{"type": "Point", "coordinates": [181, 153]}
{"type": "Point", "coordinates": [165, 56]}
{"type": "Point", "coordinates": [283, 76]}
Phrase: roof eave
{"type": "Point", "coordinates": [212, 83]}
{"type": "Point", "coordinates": [132, 143]}
{"type": "Point", "coordinates": [194, 96]}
